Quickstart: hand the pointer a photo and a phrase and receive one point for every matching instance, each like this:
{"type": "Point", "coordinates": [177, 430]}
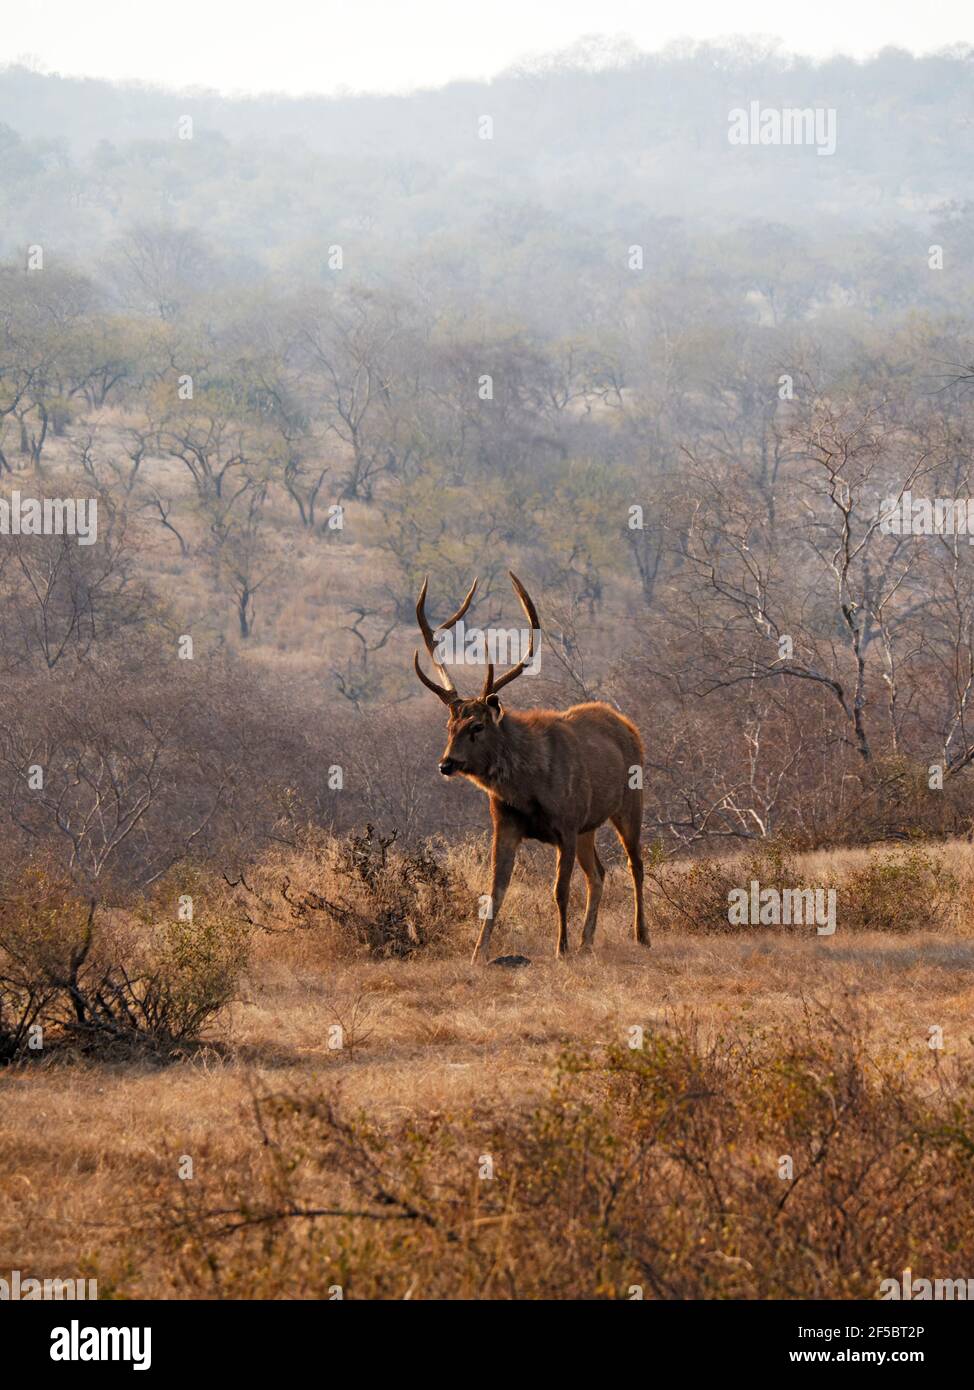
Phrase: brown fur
{"type": "Point", "coordinates": [554, 776]}
{"type": "Point", "coordinates": [551, 775]}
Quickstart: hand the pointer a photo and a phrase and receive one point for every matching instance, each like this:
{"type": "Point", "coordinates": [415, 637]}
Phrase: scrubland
{"type": "Point", "coordinates": [672, 383]}
{"type": "Point", "coordinates": [365, 1110]}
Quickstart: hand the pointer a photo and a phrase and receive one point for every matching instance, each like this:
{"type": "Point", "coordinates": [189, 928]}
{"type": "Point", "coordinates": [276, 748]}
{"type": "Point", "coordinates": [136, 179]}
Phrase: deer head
{"type": "Point", "coordinates": [474, 728]}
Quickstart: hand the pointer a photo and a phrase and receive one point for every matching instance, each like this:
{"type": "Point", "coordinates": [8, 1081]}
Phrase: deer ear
{"type": "Point", "coordinates": [496, 708]}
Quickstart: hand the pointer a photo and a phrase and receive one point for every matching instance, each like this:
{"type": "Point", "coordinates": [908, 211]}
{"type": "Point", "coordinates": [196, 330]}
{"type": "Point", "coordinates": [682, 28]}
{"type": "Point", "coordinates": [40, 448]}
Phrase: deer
{"type": "Point", "coordinates": [550, 775]}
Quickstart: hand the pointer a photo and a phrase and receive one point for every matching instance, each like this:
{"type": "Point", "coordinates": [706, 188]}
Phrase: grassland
{"type": "Point", "coordinates": [92, 1148]}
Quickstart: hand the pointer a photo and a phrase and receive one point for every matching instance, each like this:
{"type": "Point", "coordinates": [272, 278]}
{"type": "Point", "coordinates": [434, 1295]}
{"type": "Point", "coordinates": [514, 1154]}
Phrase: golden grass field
{"type": "Point", "coordinates": [91, 1149]}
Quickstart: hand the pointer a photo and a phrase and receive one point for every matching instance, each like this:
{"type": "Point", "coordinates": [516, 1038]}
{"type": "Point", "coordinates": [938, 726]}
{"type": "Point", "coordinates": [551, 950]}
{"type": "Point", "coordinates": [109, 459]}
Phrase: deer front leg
{"type": "Point", "coordinates": [563, 883]}
{"type": "Point", "coordinates": [502, 856]}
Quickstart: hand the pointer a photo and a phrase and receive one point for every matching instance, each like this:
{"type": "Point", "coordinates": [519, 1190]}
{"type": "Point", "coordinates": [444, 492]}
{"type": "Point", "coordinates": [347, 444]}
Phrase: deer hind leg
{"type": "Point", "coordinates": [628, 825]}
{"type": "Point", "coordinates": [503, 854]}
{"type": "Point", "coordinates": [563, 883]}
{"type": "Point", "coordinates": [594, 871]}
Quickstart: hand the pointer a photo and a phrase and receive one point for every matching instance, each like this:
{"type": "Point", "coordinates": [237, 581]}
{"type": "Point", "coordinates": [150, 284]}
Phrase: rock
{"type": "Point", "coordinates": [510, 962]}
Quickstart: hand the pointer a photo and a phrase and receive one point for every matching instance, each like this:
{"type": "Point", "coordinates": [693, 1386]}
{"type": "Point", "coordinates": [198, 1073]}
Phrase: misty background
{"type": "Point", "coordinates": [708, 364]}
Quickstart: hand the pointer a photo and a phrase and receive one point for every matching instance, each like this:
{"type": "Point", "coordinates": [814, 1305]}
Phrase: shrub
{"type": "Point", "coordinates": [24, 998]}
{"type": "Point", "coordinates": [749, 1167]}
{"type": "Point", "coordinates": [99, 981]}
{"type": "Point", "coordinates": [44, 925]}
{"type": "Point", "coordinates": [900, 891]}
{"type": "Point", "coordinates": [694, 897]}
{"type": "Point", "coordinates": [157, 995]}
{"type": "Point", "coordinates": [391, 902]}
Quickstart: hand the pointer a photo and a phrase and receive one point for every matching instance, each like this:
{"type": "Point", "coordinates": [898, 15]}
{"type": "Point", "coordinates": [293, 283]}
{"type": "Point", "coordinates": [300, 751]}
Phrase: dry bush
{"type": "Point", "coordinates": [151, 762]}
{"type": "Point", "coordinates": [23, 1000]}
{"type": "Point", "coordinates": [897, 890]}
{"type": "Point", "coordinates": [44, 925]}
{"type": "Point", "coordinates": [659, 1168]}
{"type": "Point", "coordinates": [156, 995]}
{"type": "Point", "coordinates": [363, 895]}
{"type": "Point", "coordinates": [901, 890]}
{"type": "Point", "coordinates": [693, 896]}
{"type": "Point", "coordinates": [107, 982]}
{"type": "Point", "coordinates": [26, 995]}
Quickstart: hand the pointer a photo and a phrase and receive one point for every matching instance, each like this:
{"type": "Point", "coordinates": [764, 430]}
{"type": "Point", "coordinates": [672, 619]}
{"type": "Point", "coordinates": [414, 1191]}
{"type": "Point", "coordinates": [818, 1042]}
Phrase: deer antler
{"type": "Point", "coordinates": [490, 685]}
{"type": "Point", "coordinates": [446, 691]}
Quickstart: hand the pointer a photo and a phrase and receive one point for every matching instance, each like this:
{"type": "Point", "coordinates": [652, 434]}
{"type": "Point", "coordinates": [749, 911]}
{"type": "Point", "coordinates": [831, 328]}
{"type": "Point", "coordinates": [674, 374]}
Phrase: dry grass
{"type": "Point", "coordinates": [91, 1149]}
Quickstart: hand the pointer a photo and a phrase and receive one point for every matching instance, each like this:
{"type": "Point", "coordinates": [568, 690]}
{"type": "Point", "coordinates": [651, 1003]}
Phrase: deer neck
{"type": "Point", "coordinates": [516, 767]}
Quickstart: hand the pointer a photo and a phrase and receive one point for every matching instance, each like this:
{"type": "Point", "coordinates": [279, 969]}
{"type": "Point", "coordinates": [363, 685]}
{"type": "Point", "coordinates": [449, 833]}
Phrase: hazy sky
{"type": "Point", "coordinates": [394, 45]}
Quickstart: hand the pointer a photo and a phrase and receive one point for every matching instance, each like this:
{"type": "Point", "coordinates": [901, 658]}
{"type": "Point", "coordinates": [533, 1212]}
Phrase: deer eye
{"type": "Point", "coordinates": [475, 729]}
